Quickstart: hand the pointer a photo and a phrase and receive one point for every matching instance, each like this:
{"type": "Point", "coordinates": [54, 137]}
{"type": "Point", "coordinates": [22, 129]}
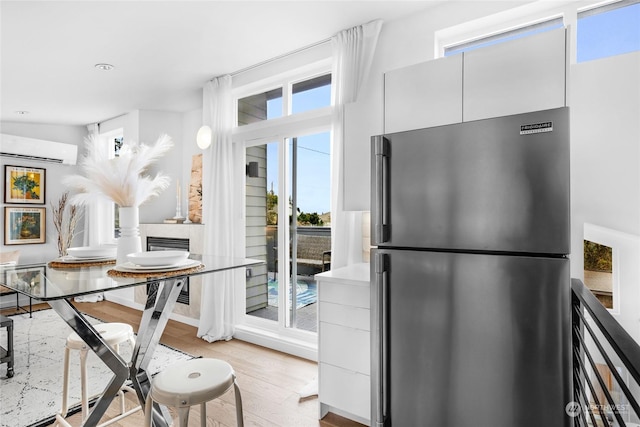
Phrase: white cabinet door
{"type": "Point", "coordinates": [423, 95]}
{"type": "Point", "coordinates": [339, 314]}
{"type": "Point", "coordinates": [347, 390]}
{"type": "Point", "coordinates": [515, 77]}
{"type": "Point", "coordinates": [345, 347]}
{"type": "Point", "coordinates": [341, 293]}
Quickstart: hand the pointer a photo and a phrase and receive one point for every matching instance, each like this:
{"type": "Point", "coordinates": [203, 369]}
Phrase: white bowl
{"type": "Point", "coordinates": [151, 258]}
{"type": "Point", "coordinates": [93, 252]}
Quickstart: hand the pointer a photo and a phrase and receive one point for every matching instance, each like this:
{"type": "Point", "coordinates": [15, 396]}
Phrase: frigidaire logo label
{"type": "Point", "coordinates": [536, 128]}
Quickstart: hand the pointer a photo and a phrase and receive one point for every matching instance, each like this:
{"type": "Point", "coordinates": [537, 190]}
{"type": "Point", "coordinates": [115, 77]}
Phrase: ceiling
{"type": "Point", "coordinates": [163, 51]}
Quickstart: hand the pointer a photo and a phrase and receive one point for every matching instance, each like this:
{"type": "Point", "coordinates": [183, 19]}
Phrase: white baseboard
{"type": "Point", "coordinates": [276, 342]}
{"type": "Point", "coordinates": [250, 334]}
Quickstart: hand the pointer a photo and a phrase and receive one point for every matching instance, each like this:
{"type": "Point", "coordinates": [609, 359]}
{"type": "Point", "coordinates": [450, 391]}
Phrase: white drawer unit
{"type": "Point", "coordinates": [344, 293]}
{"type": "Point", "coordinates": [345, 315]}
{"type": "Point", "coordinates": [339, 386]}
{"type": "Point", "coordinates": [344, 348]}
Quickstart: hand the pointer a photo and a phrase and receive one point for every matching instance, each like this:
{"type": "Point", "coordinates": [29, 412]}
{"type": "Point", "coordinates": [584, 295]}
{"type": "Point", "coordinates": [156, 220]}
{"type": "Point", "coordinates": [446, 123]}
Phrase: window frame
{"type": "Point", "coordinates": [289, 122]}
{"type": "Point", "coordinates": [608, 238]}
{"type": "Point", "coordinates": [597, 9]}
{"type": "Point", "coordinates": [603, 7]}
{"type": "Point", "coordinates": [547, 23]}
{"type": "Point", "coordinates": [280, 130]}
{"type": "Point", "coordinates": [520, 17]}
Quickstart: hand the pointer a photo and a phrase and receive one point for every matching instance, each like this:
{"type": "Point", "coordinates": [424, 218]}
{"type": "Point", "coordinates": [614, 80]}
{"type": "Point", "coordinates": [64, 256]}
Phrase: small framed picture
{"type": "Point", "coordinates": [24, 226]}
{"type": "Point", "coordinates": [24, 185]}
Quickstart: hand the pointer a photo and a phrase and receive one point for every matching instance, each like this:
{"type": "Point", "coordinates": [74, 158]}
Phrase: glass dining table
{"type": "Point", "coordinates": [58, 284]}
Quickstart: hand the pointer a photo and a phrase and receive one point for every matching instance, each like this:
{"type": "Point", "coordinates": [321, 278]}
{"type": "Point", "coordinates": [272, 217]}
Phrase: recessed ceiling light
{"type": "Point", "coordinates": [104, 67]}
{"type": "Point", "coordinates": [21, 112]}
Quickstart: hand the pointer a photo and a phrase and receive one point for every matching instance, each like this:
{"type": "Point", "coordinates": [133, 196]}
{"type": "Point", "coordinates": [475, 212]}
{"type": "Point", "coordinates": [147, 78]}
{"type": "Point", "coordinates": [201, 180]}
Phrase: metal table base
{"type": "Point", "coordinates": [161, 299]}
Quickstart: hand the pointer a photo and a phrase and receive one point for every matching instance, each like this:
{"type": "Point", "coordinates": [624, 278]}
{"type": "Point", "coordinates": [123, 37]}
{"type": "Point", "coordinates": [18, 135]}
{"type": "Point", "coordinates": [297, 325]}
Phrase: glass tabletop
{"type": "Point", "coordinates": [45, 283]}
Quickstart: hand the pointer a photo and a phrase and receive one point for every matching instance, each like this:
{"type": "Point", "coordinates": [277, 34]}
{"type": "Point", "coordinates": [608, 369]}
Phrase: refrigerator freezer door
{"type": "Point", "coordinates": [491, 185]}
{"type": "Point", "coordinates": [473, 340]}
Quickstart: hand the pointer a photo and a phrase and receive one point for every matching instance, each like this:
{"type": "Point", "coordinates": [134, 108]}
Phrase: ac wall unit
{"type": "Point", "coordinates": [24, 148]}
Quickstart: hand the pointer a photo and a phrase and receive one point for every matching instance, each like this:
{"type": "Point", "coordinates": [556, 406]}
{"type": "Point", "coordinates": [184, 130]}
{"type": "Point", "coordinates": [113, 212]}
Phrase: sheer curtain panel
{"type": "Point", "coordinates": [217, 316]}
{"type": "Point", "coordinates": [353, 51]}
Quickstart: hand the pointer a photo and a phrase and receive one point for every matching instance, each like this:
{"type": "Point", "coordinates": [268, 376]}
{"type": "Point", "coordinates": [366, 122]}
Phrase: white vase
{"type": "Point", "coordinates": [129, 240]}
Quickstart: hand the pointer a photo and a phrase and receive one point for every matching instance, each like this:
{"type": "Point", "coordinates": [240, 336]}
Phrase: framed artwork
{"type": "Point", "coordinates": [24, 185]}
{"type": "Point", "coordinates": [23, 226]}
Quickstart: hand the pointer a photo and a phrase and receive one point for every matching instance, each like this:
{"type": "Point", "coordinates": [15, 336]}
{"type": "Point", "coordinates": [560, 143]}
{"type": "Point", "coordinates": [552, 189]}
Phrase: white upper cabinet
{"type": "Point", "coordinates": [424, 95]}
{"type": "Point", "coordinates": [518, 76]}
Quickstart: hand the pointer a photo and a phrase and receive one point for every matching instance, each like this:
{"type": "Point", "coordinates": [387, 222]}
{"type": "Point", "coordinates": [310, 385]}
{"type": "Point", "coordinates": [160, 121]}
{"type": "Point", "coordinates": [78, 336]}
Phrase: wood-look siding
{"type": "Point", "coordinates": [256, 229]}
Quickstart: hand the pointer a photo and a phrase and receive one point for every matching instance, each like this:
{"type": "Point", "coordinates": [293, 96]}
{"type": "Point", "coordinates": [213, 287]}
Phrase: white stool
{"type": "Point", "coordinates": [113, 334]}
{"type": "Point", "coordinates": [193, 382]}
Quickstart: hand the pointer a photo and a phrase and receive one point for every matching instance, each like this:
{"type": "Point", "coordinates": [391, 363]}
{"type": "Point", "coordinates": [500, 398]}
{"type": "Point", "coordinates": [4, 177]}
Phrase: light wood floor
{"type": "Point", "coordinates": [269, 380]}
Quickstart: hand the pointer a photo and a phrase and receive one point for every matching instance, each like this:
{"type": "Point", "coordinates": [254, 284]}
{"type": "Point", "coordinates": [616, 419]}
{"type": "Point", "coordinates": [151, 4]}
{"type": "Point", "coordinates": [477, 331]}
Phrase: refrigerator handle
{"type": "Point", "coordinates": [379, 390]}
{"type": "Point", "coordinates": [379, 227]}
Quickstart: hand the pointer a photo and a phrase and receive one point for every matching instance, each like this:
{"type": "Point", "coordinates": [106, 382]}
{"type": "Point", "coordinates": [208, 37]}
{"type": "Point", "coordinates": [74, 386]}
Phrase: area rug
{"type": "Point", "coordinates": [34, 394]}
{"type": "Point", "coordinates": [306, 293]}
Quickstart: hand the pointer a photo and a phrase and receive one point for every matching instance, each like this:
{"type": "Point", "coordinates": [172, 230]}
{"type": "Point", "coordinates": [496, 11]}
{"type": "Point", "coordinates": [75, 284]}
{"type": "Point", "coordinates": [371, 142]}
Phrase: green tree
{"type": "Point", "coordinates": [597, 257]}
{"type": "Point", "coordinates": [310, 219]}
{"type": "Point", "coordinates": [272, 208]}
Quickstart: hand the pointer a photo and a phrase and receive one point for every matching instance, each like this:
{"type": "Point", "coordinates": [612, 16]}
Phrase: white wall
{"type": "Point", "coordinates": [605, 141]}
{"type": "Point", "coordinates": [146, 126]}
{"type": "Point", "coordinates": [605, 173]}
{"type": "Point", "coordinates": [54, 173]}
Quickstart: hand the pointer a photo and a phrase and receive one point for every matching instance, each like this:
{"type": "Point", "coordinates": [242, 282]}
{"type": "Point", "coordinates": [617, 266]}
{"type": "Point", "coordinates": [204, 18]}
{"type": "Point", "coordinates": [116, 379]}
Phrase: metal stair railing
{"type": "Point", "coordinates": [625, 411]}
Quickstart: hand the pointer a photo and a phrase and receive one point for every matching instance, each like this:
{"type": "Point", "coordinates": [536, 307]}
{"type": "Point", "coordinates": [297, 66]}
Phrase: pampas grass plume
{"type": "Point", "coordinates": [121, 179]}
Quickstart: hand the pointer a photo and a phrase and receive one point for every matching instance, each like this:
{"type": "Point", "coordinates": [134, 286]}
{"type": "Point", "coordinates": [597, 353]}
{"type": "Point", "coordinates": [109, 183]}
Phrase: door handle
{"type": "Point", "coordinates": [379, 225]}
{"type": "Point", "coordinates": [379, 390]}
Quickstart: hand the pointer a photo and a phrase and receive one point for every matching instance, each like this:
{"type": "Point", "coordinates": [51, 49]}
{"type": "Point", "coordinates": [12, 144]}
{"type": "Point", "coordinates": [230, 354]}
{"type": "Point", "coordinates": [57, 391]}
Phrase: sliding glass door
{"type": "Point", "coordinates": [310, 224]}
{"type": "Point", "coordinates": [288, 225]}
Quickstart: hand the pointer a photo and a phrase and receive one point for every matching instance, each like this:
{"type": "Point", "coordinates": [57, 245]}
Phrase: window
{"type": "Point", "coordinates": [501, 37]}
{"type": "Point", "coordinates": [288, 220]}
{"type": "Point", "coordinates": [598, 271]}
{"type": "Point", "coordinates": [311, 94]}
{"type": "Point", "coordinates": [263, 106]}
{"type": "Point", "coordinates": [609, 30]}
{"type": "Point", "coordinates": [306, 95]}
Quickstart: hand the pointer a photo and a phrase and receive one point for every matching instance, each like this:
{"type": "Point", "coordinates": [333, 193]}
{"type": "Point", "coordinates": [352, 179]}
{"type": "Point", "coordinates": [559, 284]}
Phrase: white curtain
{"type": "Point", "coordinates": [353, 51]}
{"type": "Point", "coordinates": [95, 212]}
{"type": "Point", "coordinates": [217, 315]}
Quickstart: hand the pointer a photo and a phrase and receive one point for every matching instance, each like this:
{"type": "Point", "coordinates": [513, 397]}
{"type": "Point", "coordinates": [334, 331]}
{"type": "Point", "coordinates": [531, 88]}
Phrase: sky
{"type": "Point", "coordinates": [600, 35]}
{"type": "Point", "coordinates": [611, 33]}
{"type": "Point", "coordinates": [314, 160]}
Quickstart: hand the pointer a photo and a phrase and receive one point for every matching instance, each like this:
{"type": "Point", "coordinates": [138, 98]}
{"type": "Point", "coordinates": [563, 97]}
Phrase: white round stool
{"type": "Point", "coordinates": [114, 334]}
{"type": "Point", "coordinates": [193, 382]}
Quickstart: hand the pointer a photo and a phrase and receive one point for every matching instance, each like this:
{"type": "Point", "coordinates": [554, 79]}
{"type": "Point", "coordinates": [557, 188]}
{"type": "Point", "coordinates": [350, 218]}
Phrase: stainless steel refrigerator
{"type": "Point", "coordinates": [470, 277]}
